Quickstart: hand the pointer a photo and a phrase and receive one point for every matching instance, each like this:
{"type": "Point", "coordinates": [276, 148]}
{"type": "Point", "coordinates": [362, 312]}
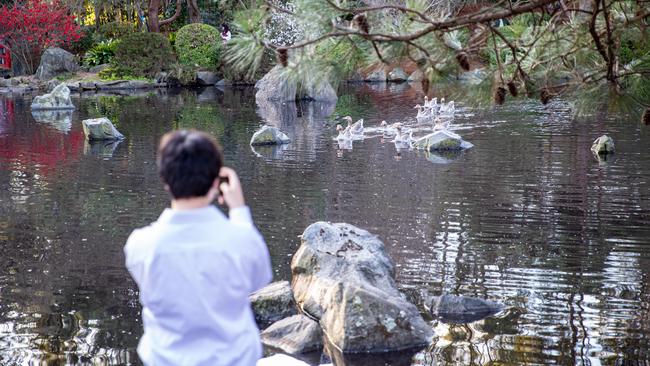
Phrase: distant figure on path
{"type": "Point", "coordinates": [225, 33]}
{"type": "Point", "coordinates": [194, 266]}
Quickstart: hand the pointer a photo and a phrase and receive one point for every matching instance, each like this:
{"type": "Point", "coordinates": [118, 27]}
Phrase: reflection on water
{"type": "Point", "coordinates": [527, 218]}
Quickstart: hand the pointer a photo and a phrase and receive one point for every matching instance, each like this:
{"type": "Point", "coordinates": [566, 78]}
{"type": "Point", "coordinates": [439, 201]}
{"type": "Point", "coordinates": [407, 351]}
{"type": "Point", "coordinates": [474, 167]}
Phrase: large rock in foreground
{"type": "Point", "coordinates": [343, 277]}
{"type": "Point", "coordinates": [296, 334]}
{"type": "Point", "coordinates": [58, 98]}
{"type": "Point", "coordinates": [100, 129]}
{"type": "Point", "coordinates": [603, 145]}
{"type": "Point", "coordinates": [272, 303]}
{"type": "Point", "coordinates": [269, 135]}
{"type": "Point", "coordinates": [441, 141]}
{"type": "Point", "coordinates": [56, 61]}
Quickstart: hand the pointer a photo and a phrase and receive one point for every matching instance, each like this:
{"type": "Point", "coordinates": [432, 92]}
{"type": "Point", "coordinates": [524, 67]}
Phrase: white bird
{"type": "Point", "coordinates": [344, 133]}
{"type": "Point", "coordinates": [448, 109]}
{"type": "Point", "coordinates": [439, 124]}
{"type": "Point", "coordinates": [402, 136]}
{"type": "Point", "coordinates": [423, 112]}
{"type": "Point", "coordinates": [356, 128]}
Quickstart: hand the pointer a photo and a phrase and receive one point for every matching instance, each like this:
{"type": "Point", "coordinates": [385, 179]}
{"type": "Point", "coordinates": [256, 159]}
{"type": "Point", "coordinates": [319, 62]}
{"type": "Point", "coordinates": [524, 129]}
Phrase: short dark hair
{"type": "Point", "coordinates": [188, 162]}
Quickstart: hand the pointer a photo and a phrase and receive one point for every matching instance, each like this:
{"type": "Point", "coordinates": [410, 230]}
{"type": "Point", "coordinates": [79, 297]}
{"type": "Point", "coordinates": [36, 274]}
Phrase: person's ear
{"type": "Point", "coordinates": [167, 187]}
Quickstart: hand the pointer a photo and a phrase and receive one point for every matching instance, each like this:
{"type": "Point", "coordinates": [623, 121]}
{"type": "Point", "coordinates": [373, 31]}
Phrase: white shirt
{"type": "Point", "coordinates": [195, 270]}
{"type": "Point", "coordinates": [225, 36]}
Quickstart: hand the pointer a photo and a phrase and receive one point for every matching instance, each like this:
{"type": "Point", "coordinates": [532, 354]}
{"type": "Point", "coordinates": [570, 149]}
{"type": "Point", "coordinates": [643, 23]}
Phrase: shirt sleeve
{"type": "Point", "coordinates": [241, 215]}
{"type": "Point", "coordinates": [262, 271]}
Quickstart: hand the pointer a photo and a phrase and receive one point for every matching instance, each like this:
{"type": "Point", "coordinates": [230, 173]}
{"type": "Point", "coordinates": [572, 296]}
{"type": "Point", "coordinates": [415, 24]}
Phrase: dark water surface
{"type": "Point", "coordinates": [528, 218]}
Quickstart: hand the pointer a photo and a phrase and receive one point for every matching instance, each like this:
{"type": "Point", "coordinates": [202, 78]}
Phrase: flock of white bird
{"type": "Point", "coordinates": [432, 116]}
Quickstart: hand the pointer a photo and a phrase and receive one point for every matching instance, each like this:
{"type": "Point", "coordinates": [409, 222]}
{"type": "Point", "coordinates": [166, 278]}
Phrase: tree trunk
{"type": "Point", "coordinates": [154, 7]}
{"type": "Point", "coordinates": [152, 16]}
{"type": "Point", "coordinates": [193, 10]}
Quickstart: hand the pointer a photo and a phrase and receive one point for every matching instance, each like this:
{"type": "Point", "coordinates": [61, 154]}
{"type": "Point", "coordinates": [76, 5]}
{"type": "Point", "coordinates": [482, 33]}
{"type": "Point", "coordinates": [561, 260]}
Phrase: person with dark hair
{"type": "Point", "coordinates": [194, 266]}
{"type": "Point", "coordinates": [225, 33]}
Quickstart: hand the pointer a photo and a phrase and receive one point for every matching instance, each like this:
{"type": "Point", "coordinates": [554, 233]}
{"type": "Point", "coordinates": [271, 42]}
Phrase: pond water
{"type": "Point", "coordinates": [528, 218]}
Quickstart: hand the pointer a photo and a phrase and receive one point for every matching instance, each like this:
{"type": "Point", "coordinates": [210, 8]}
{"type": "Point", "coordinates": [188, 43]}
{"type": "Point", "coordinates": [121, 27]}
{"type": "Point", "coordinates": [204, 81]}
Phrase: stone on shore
{"type": "Point", "coordinates": [461, 309]}
{"type": "Point", "coordinates": [58, 98]}
{"type": "Point", "coordinates": [269, 135]}
{"type": "Point", "coordinates": [376, 76]}
{"type": "Point", "coordinates": [343, 277]}
{"type": "Point", "coordinates": [397, 74]}
{"type": "Point", "coordinates": [293, 335]}
{"type": "Point", "coordinates": [206, 78]}
{"type": "Point", "coordinates": [603, 145]}
{"type": "Point", "coordinates": [100, 129]}
{"type": "Point", "coordinates": [440, 141]}
{"type": "Point", "coordinates": [56, 61]}
{"type": "Point", "coordinates": [272, 303]}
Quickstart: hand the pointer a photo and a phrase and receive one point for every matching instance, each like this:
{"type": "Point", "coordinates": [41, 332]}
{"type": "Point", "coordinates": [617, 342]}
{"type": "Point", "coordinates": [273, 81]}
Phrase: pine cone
{"type": "Point", "coordinates": [362, 23]}
{"type": "Point", "coordinates": [646, 117]}
{"type": "Point", "coordinates": [512, 87]}
{"type": "Point", "coordinates": [500, 95]}
{"type": "Point", "coordinates": [463, 60]}
{"type": "Point", "coordinates": [545, 96]}
{"type": "Point", "coordinates": [282, 56]}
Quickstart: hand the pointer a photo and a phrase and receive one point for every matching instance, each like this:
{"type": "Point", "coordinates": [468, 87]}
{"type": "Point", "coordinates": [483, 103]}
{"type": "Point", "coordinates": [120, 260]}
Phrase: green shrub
{"type": "Point", "coordinates": [101, 53]}
{"type": "Point", "coordinates": [142, 55]}
{"type": "Point", "coordinates": [84, 43]}
{"type": "Point", "coordinates": [198, 45]}
{"type": "Point", "coordinates": [114, 30]}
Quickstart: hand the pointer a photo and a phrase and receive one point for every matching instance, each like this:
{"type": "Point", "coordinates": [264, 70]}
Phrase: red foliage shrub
{"type": "Point", "coordinates": [33, 25]}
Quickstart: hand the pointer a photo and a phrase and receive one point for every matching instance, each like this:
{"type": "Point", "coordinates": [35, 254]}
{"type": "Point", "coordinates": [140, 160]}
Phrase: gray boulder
{"type": "Point", "coordinates": [318, 91]}
{"type": "Point", "coordinates": [343, 277]}
{"type": "Point", "coordinates": [441, 141]}
{"type": "Point", "coordinates": [272, 303]}
{"type": "Point", "coordinates": [100, 129]}
{"type": "Point", "coordinates": [397, 74]}
{"type": "Point", "coordinates": [276, 85]}
{"type": "Point", "coordinates": [268, 135]}
{"type": "Point", "coordinates": [97, 69]}
{"type": "Point", "coordinates": [461, 309]}
{"type": "Point", "coordinates": [296, 334]}
{"type": "Point", "coordinates": [58, 98]}
{"type": "Point", "coordinates": [378, 75]}
{"type": "Point", "coordinates": [416, 75]}
{"type": "Point", "coordinates": [56, 61]}
{"type": "Point", "coordinates": [603, 145]}
{"type": "Point", "coordinates": [206, 78]}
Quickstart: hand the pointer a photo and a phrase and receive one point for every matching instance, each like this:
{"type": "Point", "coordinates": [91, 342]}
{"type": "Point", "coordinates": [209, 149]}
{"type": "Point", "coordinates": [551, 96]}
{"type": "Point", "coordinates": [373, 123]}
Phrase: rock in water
{"type": "Point", "coordinates": [440, 141]}
{"type": "Point", "coordinates": [206, 78]}
{"type": "Point", "coordinates": [56, 61]}
{"type": "Point", "coordinates": [397, 74]}
{"type": "Point", "coordinates": [462, 309]}
{"type": "Point", "coordinates": [343, 277]}
{"type": "Point", "coordinates": [269, 135]}
{"type": "Point", "coordinates": [417, 75]}
{"type": "Point", "coordinates": [378, 75]}
{"type": "Point", "coordinates": [277, 85]}
{"type": "Point", "coordinates": [272, 303]}
{"type": "Point", "coordinates": [296, 334]}
{"type": "Point", "coordinates": [603, 145]}
{"type": "Point", "coordinates": [58, 98]}
{"type": "Point", "coordinates": [100, 129]}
